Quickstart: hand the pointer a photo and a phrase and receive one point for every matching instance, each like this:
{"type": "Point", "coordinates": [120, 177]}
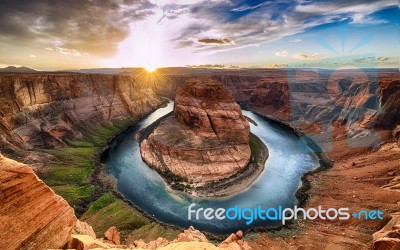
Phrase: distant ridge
{"type": "Point", "coordinates": [13, 69]}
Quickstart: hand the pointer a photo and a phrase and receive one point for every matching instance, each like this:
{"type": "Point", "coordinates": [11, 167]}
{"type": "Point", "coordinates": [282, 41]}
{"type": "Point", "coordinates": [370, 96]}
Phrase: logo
{"type": "Point", "coordinates": [249, 215]}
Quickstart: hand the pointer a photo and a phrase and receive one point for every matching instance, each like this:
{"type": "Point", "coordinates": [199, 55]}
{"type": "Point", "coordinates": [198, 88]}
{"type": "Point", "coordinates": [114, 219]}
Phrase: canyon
{"type": "Point", "coordinates": [47, 110]}
{"type": "Point", "coordinates": [205, 140]}
{"type": "Point", "coordinates": [41, 110]}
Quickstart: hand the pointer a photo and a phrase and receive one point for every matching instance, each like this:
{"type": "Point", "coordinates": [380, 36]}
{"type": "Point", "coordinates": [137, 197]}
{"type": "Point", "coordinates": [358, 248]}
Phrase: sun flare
{"type": "Point", "coordinates": [150, 69]}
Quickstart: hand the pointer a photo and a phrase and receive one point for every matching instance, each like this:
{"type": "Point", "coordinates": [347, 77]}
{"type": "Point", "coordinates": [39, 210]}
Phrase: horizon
{"type": "Point", "coordinates": [242, 34]}
{"type": "Point", "coordinates": [187, 67]}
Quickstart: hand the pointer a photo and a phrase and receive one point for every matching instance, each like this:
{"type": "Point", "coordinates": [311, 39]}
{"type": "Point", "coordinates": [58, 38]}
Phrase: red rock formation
{"type": "Point", "coordinates": [388, 238]}
{"type": "Point", "coordinates": [39, 110]}
{"type": "Point", "coordinates": [240, 86]}
{"type": "Point", "coordinates": [389, 114]}
{"type": "Point", "coordinates": [112, 235]}
{"type": "Point", "coordinates": [206, 140]}
{"type": "Point", "coordinates": [207, 107]}
{"type": "Point", "coordinates": [191, 234]}
{"type": "Point", "coordinates": [86, 242]}
{"type": "Point", "coordinates": [194, 239]}
{"type": "Point", "coordinates": [32, 216]}
{"type": "Point", "coordinates": [83, 228]}
{"type": "Point", "coordinates": [235, 241]}
{"type": "Point", "coordinates": [273, 96]}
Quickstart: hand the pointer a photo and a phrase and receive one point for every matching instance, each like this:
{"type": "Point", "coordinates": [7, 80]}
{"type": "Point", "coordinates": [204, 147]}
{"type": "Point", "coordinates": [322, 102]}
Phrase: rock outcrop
{"type": "Point", "coordinates": [235, 241]}
{"type": "Point", "coordinates": [206, 139]}
{"type": "Point", "coordinates": [191, 234]}
{"type": "Point", "coordinates": [388, 238]}
{"type": "Point", "coordinates": [389, 114]}
{"type": "Point", "coordinates": [273, 96]}
{"type": "Point", "coordinates": [189, 239]}
{"type": "Point", "coordinates": [112, 235]}
{"type": "Point", "coordinates": [39, 110]}
{"type": "Point", "coordinates": [32, 216]}
{"type": "Point", "coordinates": [206, 107]}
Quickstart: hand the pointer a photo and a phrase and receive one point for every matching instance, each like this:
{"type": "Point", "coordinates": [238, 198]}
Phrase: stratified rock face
{"type": "Point", "coordinates": [389, 114]}
{"type": "Point", "coordinates": [38, 110]}
{"type": "Point", "coordinates": [207, 138]}
{"type": "Point", "coordinates": [207, 107]}
{"type": "Point", "coordinates": [32, 216]}
{"type": "Point", "coordinates": [272, 94]}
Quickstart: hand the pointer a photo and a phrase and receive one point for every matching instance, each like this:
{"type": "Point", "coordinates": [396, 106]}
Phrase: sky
{"type": "Point", "coordinates": [75, 34]}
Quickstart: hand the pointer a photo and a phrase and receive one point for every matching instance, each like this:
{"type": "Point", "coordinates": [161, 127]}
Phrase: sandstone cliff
{"type": "Point", "coordinates": [389, 115]}
{"type": "Point", "coordinates": [206, 139]}
{"type": "Point", "coordinates": [205, 106]}
{"type": "Point", "coordinates": [32, 216]}
{"type": "Point", "coordinates": [39, 110]}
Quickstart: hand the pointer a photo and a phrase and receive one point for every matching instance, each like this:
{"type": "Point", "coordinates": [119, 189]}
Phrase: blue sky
{"type": "Point", "coordinates": [151, 33]}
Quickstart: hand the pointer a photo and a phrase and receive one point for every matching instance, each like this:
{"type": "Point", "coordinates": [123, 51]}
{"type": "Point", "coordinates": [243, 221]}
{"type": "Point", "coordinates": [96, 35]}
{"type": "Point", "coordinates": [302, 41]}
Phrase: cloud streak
{"type": "Point", "coordinates": [220, 41]}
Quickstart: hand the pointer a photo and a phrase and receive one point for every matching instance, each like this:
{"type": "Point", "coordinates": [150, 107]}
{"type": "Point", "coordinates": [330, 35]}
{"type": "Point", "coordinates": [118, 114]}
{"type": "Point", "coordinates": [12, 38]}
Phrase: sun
{"type": "Point", "coordinates": [150, 69]}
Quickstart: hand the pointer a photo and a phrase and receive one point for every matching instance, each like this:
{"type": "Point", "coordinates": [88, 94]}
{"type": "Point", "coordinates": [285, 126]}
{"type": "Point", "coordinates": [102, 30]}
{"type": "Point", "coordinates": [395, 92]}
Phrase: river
{"type": "Point", "coordinates": [276, 185]}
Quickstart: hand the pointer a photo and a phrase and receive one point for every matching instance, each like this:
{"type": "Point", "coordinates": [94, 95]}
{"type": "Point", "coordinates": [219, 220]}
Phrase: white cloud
{"type": "Point", "coordinates": [32, 56]}
{"type": "Point", "coordinates": [358, 12]}
{"type": "Point", "coordinates": [282, 53]}
{"type": "Point", "coordinates": [303, 56]}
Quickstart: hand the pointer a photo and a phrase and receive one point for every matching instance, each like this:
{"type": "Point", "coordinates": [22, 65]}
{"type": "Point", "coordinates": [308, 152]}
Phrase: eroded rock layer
{"type": "Point", "coordinates": [32, 216]}
{"type": "Point", "coordinates": [206, 139]}
{"type": "Point", "coordinates": [39, 110]}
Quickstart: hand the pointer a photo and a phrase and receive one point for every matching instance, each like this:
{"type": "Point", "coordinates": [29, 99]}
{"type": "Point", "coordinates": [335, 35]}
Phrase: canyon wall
{"type": "Point", "coordinates": [358, 99]}
{"type": "Point", "coordinates": [39, 110]}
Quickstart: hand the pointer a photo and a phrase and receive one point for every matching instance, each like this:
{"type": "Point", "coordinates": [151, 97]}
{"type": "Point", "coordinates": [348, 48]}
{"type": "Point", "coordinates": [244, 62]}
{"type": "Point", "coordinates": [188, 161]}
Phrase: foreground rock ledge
{"type": "Point", "coordinates": [32, 216]}
{"type": "Point", "coordinates": [206, 139]}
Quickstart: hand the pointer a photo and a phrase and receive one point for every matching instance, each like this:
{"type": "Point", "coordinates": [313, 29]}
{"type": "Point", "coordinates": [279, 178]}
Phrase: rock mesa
{"type": "Point", "coordinates": [207, 137]}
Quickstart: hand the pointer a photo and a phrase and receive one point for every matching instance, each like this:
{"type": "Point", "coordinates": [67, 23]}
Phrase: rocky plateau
{"type": "Point", "coordinates": [205, 140]}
